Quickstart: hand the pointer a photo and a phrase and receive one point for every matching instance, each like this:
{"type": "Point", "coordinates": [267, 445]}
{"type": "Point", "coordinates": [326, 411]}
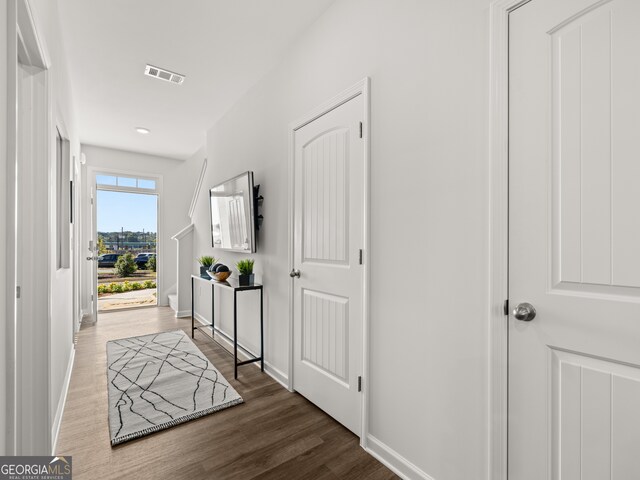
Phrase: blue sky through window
{"type": "Point", "coordinates": [131, 211]}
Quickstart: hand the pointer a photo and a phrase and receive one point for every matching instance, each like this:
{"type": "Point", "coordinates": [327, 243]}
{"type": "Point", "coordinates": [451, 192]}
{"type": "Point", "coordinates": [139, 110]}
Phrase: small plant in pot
{"type": "Point", "coordinates": [245, 270]}
{"type": "Point", "coordinates": [205, 262]}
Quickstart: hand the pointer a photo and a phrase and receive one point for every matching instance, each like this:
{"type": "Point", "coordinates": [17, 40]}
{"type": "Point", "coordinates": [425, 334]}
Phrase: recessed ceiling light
{"type": "Point", "coordinates": [143, 130]}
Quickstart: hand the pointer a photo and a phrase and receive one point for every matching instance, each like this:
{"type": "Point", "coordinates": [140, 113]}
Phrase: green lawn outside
{"type": "Point", "coordinates": [108, 275]}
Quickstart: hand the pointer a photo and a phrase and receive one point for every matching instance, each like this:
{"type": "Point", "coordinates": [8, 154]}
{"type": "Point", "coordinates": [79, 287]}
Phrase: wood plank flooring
{"type": "Point", "coordinates": [275, 434]}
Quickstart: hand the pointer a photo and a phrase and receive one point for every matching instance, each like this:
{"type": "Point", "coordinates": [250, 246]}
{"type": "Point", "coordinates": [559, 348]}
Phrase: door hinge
{"type": "Point", "coordinates": [505, 307]}
{"type": "Point", "coordinates": [92, 297]}
{"type": "Point", "coordinates": [18, 291]}
{"type": "Point", "coordinates": [360, 129]}
{"type": "Point", "coordinates": [359, 384]}
{"type": "Point", "coordinates": [361, 258]}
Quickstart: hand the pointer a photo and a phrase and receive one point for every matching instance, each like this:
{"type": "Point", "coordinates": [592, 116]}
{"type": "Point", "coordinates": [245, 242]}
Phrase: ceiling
{"type": "Point", "coordinates": [222, 46]}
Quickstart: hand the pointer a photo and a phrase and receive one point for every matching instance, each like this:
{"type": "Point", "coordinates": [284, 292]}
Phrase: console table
{"type": "Point", "coordinates": [233, 285]}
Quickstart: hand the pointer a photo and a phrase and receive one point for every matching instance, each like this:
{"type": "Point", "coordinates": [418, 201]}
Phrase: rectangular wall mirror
{"type": "Point", "coordinates": [232, 214]}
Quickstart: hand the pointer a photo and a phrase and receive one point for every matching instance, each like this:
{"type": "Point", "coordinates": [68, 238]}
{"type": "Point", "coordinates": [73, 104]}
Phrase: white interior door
{"type": "Point", "coordinates": [574, 370]}
{"type": "Point", "coordinates": [328, 238]}
{"type": "Point", "coordinates": [32, 263]}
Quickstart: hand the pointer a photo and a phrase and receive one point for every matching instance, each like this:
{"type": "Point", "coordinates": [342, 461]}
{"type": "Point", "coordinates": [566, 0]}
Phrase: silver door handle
{"type": "Point", "coordinates": [294, 273]}
{"type": "Point", "coordinates": [92, 258]}
{"type": "Point", "coordinates": [524, 312]}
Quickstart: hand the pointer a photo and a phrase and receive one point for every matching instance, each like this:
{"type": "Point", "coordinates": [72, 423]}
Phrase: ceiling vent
{"type": "Point", "coordinates": [163, 74]}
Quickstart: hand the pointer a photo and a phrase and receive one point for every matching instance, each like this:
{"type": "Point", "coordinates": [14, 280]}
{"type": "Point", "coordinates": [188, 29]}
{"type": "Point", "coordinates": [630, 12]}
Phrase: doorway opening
{"type": "Point", "coordinates": [126, 242]}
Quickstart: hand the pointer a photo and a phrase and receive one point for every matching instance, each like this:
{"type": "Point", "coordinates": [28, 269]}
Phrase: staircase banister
{"type": "Point", "coordinates": [184, 232]}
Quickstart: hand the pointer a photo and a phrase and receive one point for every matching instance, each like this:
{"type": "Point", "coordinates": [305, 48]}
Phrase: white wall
{"type": "Point", "coordinates": [3, 225]}
{"type": "Point", "coordinates": [58, 337]}
{"type": "Point", "coordinates": [429, 67]}
{"type": "Point", "coordinates": [45, 13]}
{"type": "Point", "coordinates": [178, 182]}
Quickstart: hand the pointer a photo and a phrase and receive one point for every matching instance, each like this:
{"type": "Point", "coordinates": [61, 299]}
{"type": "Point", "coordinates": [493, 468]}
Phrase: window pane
{"type": "Point", "coordinates": [143, 183]}
{"type": "Point", "coordinates": [126, 182]}
{"type": "Point", "coordinates": [105, 180]}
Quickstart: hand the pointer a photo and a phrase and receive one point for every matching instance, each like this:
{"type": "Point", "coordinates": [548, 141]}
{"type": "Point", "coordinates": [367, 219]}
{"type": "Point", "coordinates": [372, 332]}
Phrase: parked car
{"type": "Point", "coordinates": [142, 259]}
{"type": "Point", "coordinates": [108, 260]}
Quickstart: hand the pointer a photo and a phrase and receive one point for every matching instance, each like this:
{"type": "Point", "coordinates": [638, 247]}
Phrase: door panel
{"type": "Point", "coordinates": [594, 242]}
{"type": "Point", "coordinates": [595, 418]}
{"type": "Point", "coordinates": [574, 232]}
{"type": "Point", "coordinates": [325, 333]}
{"type": "Point", "coordinates": [325, 200]}
{"type": "Point", "coordinates": [328, 233]}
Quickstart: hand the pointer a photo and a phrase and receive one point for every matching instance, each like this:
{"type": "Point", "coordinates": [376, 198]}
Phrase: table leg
{"type": "Point", "coordinates": [261, 330]}
{"type": "Point", "coordinates": [235, 334]}
{"type": "Point", "coordinates": [192, 309]}
{"type": "Point", "coordinates": [213, 310]}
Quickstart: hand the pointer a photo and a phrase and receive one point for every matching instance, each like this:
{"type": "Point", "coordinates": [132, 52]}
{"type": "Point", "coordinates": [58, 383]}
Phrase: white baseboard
{"type": "Point", "coordinates": [394, 461]}
{"type": "Point", "coordinates": [201, 319]}
{"type": "Point", "coordinates": [183, 313]}
{"type": "Point", "coordinates": [278, 375]}
{"type": "Point", "coordinates": [55, 429]}
{"type": "Point", "coordinates": [88, 317]}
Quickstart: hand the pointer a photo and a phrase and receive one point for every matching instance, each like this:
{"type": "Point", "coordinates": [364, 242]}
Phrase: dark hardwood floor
{"type": "Point", "coordinates": [275, 434]}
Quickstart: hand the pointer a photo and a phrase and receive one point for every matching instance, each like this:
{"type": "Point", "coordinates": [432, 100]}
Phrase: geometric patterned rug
{"type": "Point", "coordinates": [160, 380]}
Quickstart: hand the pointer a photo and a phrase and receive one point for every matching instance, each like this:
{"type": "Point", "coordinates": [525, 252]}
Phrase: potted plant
{"type": "Point", "coordinates": [245, 270]}
{"type": "Point", "coordinates": [205, 262]}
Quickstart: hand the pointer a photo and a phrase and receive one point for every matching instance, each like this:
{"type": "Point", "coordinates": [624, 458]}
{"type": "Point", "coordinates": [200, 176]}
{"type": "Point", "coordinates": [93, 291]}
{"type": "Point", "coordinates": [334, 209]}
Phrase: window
{"type": "Point", "coordinates": [147, 184]}
{"type": "Point", "coordinates": [126, 182]}
{"type": "Point", "coordinates": [106, 180]}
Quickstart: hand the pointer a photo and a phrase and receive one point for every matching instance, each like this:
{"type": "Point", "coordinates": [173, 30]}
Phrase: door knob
{"type": "Point", "coordinates": [294, 273]}
{"type": "Point", "coordinates": [92, 258]}
{"type": "Point", "coordinates": [524, 312]}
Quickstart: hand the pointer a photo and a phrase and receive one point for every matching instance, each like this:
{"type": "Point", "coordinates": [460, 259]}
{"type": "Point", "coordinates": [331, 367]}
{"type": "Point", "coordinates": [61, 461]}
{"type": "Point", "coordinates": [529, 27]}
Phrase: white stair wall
{"type": "Point", "coordinates": [181, 301]}
{"type": "Point", "coordinates": [173, 301]}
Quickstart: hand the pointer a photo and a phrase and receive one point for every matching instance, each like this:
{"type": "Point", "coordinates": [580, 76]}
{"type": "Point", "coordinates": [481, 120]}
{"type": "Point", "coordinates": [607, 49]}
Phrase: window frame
{"type": "Point", "coordinates": [128, 189]}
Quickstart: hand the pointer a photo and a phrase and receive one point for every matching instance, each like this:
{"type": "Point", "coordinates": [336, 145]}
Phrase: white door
{"type": "Point", "coordinates": [93, 254]}
{"type": "Point", "coordinates": [574, 370]}
{"type": "Point", "coordinates": [328, 236]}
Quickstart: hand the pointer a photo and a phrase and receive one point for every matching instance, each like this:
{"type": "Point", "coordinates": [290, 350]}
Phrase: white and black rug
{"type": "Point", "coordinates": [158, 381]}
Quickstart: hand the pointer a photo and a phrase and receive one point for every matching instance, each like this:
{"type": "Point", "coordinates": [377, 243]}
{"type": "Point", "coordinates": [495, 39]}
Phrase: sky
{"type": "Point", "coordinates": [131, 211]}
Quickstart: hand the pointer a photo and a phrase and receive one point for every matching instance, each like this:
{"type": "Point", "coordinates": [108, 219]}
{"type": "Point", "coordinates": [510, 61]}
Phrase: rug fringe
{"type": "Point", "coordinates": [173, 423]}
